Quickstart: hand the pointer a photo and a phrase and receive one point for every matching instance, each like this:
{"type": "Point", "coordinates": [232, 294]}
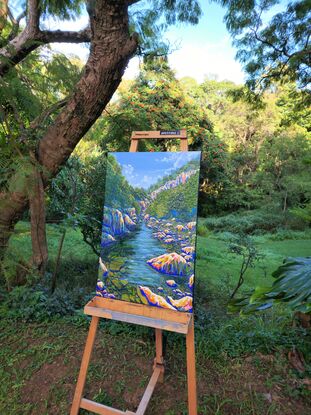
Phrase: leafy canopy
{"type": "Point", "coordinates": [275, 49]}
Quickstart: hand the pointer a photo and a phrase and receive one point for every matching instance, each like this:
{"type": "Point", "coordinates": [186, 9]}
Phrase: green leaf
{"type": "Point", "coordinates": [292, 286]}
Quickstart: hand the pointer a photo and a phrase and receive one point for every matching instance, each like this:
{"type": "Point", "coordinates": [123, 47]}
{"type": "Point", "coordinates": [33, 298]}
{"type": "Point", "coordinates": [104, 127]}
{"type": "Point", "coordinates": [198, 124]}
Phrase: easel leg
{"type": "Point", "coordinates": [191, 372]}
{"type": "Point", "coordinates": [159, 361]}
{"type": "Point", "coordinates": [84, 366]}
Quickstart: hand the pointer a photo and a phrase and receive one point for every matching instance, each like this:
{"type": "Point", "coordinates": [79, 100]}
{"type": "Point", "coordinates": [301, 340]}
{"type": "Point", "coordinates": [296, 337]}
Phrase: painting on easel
{"type": "Point", "coordinates": [149, 229]}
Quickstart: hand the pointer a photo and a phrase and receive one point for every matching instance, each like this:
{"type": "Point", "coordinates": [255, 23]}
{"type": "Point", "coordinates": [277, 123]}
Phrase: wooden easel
{"type": "Point", "coordinates": [145, 315]}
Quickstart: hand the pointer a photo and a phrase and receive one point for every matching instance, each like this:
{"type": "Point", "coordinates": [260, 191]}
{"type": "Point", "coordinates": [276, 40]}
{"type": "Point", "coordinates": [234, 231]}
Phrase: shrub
{"type": "Point", "coordinates": [285, 234]}
{"type": "Point", "coordinates": [251, 222]}
{"type": "Point", "coordinates": [202, 229]}
{"type": "Point", "coordinates": [36, 303]}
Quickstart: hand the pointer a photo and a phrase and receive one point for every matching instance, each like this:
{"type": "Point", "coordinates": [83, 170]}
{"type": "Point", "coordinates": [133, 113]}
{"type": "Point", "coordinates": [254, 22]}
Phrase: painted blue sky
{"type": "Point", "coordinates": [145, 169]}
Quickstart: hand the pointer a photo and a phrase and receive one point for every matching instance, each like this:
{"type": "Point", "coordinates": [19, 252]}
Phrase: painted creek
{"type": "Point", "coordinates": [128, 258]}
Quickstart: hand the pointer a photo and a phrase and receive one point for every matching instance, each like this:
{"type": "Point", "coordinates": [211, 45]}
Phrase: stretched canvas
{"type": "Point", "coordinates": [149, 229]}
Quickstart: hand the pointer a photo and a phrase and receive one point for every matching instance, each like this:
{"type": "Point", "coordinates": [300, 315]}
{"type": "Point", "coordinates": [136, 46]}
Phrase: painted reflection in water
{"type": "Point", "coordinates": [149, 229]}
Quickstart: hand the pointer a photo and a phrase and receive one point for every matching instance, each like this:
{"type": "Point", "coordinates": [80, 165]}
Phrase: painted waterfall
{"type": "Point", "coordinates": [149, 229]}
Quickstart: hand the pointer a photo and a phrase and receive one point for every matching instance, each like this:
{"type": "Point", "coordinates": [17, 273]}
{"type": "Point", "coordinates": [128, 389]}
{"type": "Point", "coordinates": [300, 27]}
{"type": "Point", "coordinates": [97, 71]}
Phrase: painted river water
{"type": "Point", "coordinates": [128, 260]}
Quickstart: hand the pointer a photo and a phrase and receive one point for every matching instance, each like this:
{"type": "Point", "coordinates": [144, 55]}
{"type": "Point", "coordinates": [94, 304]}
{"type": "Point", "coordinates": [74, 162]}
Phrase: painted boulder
{"type": "Point", "coordinates": [171, 283]}
{"type": "Point", "coordinates": [182, 304]}
{"type": "Point", "coordinates": [153, 299]}
{"type": "Point", "coordinates": [129, 223]}
{"type": "Point", "coordinates": [171, 263]}
{"type": "Point", "coordinates": [107, 239]}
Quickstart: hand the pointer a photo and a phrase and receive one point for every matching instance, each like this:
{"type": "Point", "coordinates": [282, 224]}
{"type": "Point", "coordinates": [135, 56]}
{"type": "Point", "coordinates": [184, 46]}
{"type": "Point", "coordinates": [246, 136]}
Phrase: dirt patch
{"type": "Point", "coordinates": [38, 388]}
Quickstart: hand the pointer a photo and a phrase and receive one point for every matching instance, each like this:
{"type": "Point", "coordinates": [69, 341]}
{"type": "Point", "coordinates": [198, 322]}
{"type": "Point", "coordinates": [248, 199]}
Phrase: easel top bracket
{"type": "Point", "coordinates": [166, 134]}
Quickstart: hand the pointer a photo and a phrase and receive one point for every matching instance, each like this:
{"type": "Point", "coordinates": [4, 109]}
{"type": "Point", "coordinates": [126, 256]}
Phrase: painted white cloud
{"type": "Point", "coordinates": [176, 159]}
{"type": "Point", "coordinates": [128, 170]}
{"type": "Point", "coordinates": [146, 181]}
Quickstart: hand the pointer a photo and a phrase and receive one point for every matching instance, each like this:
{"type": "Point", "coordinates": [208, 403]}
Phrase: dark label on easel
{"type": "Point", "coordinates": [170, 132]}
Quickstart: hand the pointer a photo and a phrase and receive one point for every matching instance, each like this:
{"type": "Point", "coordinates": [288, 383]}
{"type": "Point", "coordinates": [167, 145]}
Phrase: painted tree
{"type": "Point", "coordinates": [113, 41]}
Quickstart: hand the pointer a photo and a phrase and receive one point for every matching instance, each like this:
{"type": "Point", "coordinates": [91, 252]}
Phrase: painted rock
{"type": "Point", "coordinates": [117, 222]}
{"type": "Point", "coordinates": [110, 296]}
{"type": "Point", "coordinates": [142, 204]}
{"type": "Point", "coordinates": [107, 239]}
{"type": "Point", "coordinates": [103, 267]}
{"type": "Point", "coordinates": [191, 281]}
{"type": "Point", "coordinates": [182, 304]}
{"type": "Point", "coordinates": [100, 287]}
{"type": "Point", "coordinates": [171, 283]}
{"type": "Point", "coordinates": [168, 241]}
{"type": "Point", "coordinates": [113, 219]}
{"type": "Point", "coordinates": [155, 300]}
{"type": "Point", "coordinates": [171, 263]}
{"type": "Point", "coordinates": [129, 223]}
{"type": "Point", "coordinates": [189, 250]}
{"type": "Point", "coordinates": [191, 225]}
{"type": "Point", "coordinates": [99, 294]}
{"type": "Point", "coordinates": [132, 214]}
{"type": "Point", "coordinates": [188, 258]}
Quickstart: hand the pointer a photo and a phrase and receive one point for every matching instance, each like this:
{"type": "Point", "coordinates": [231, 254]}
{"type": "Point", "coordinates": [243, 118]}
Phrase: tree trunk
{"type": "Point", "coordinates": [37, 218]}
{"type": "Point", "coordinates": [12, 204]}
{"type": "Point", "coordinates": [111, 49]}
{"type": "Point", "coordinates": [59, 253]}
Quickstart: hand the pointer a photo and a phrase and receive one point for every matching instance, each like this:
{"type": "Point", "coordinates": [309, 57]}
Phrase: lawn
{"type": "Point", "coordinates": [242, 362]}
{"type": "Point", "coordinates": [216, 266]}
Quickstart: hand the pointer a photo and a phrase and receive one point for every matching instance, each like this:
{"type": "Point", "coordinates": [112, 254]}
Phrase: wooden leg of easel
{"type": "Point", "coordinates": [191, 372]}
{"type": "Point", "coordinates": [84, 366]}
{"type": "Point", "coordinates": [159, 361]}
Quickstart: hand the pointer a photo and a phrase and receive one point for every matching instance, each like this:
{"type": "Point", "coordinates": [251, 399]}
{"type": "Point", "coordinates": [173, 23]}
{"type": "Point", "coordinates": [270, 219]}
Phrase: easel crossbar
{"type": "Point", "coordinates": [100, 409]}
{"type": "Point", "coordinates": [139, 314]}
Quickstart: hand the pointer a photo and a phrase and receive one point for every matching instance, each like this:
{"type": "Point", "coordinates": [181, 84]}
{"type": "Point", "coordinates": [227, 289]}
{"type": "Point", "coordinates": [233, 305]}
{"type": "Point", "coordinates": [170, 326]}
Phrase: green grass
{"type": "Point", "coordinates": [74, 247]}
{"type": "Point", "coordinates": [216, 266]}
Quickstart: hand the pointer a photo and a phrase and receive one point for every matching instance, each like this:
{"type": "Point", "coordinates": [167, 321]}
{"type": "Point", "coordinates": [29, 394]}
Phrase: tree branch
{"type": "Point", "coordinates": [30, 39]}
{"type": "Point", "coordinates": [42, 117]}
{"type": "Point", "coordinates": [50, 36]}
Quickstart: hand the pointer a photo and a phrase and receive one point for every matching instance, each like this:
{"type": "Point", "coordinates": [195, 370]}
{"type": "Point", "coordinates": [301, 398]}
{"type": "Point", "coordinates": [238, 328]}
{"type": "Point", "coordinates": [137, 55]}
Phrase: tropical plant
{"type": "Point", "coordinates": [292, 286]}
